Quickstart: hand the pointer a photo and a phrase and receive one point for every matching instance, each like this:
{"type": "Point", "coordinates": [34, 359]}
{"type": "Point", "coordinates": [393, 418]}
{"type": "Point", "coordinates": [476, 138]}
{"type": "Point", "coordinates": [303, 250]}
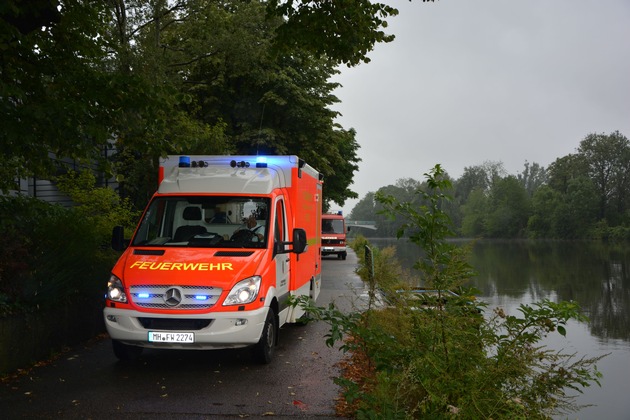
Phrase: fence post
{"type": "Point", "coordinates": [369, 264]}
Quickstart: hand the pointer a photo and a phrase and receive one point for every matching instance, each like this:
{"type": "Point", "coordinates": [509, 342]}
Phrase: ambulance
{"type": "Point", "coordinates": [222, 247]}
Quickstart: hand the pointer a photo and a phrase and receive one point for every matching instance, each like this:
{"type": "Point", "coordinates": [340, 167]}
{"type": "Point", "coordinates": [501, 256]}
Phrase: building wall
{"type": "Point", "coordinates": [47, 190]}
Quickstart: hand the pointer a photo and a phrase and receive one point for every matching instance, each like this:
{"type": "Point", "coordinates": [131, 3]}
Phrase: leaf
{"type": "Point", "coordinates": [562, 330]}
{"type": "Point", "coordinates": [300, 404]}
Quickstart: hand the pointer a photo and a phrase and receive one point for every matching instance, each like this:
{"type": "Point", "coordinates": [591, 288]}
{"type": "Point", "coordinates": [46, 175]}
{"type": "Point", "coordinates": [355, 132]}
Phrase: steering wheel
{"type": "Point", "coordinates": [243, 235]}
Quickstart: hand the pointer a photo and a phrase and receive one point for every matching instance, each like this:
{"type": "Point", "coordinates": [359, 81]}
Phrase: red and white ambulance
{"type": "Point", "coordinates": [221, 247]}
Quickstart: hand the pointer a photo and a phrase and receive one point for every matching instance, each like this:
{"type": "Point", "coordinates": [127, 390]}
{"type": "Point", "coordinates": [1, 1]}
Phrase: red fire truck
{"type": "Point", "coordinates": [334, 235]}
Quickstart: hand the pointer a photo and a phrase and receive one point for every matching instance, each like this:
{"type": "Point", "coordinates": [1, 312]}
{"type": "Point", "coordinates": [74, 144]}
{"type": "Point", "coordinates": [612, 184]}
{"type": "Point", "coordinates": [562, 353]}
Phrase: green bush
{"type": "Point", "coordinates": [603, 232]}
{"type": "Point", "coordinates": [53, 254]}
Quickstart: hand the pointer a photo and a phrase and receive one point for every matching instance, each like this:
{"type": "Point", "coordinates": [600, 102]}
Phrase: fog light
{"type": "Point", "coordinates": [111, 318]}
{"type": "Point", "coordinates": [240, 322]}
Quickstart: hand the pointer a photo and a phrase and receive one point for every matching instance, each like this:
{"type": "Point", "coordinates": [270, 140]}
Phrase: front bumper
{"type": "Point", "coordinates": [327, 250]}
{"type": "Point", "coordinates": [223, 330]}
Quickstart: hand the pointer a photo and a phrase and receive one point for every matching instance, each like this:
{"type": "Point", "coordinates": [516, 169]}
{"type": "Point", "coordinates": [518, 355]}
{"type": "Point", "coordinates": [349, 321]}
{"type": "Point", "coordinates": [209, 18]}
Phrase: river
{"type": "Point", "coordinates": [595, 275]}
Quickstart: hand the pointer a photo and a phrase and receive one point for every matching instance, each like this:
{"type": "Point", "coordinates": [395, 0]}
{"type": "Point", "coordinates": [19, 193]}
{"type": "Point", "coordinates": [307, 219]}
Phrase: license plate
{"type": "Point", "coordinates": [328, 249]}
{"type": "Point", "coordinates": [171, 337]}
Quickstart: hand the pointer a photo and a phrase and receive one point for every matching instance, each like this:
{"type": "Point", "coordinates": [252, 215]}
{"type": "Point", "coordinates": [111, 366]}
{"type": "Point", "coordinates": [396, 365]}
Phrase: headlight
{"type": "Point", "coordinates": [115, 290]}
{"type": "Point", "coordinates": [245, 291]}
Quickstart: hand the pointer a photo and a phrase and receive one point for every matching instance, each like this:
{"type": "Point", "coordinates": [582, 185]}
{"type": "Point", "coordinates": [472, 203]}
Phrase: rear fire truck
{"type": "Point", "coordinates": [334, 235]}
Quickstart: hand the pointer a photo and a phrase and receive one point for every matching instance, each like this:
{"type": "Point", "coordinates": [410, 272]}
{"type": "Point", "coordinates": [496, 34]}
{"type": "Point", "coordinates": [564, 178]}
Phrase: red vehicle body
{"type": "Point", "coordinates": [222, 247]}
{"type": "Point", "coordinates": [334, 235]}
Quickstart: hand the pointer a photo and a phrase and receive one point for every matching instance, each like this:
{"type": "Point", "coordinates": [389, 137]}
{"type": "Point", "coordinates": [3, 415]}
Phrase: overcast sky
{"type": "Point", "coordinates": [466, 82]}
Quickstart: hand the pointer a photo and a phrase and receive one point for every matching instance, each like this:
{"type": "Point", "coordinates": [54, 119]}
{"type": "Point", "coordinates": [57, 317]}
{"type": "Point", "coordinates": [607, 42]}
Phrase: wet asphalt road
{"type": "Point", "coordinates": [88, 382]}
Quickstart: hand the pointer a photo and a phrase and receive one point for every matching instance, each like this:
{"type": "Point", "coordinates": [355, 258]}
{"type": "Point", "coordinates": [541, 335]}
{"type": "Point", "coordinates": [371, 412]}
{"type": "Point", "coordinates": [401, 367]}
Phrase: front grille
{"type": "Point", "coordinates": [175, 297]}
{"type": "Point", "coordinates": [170, 324]}
{"type": "Point", "coordinates": [332, 242]}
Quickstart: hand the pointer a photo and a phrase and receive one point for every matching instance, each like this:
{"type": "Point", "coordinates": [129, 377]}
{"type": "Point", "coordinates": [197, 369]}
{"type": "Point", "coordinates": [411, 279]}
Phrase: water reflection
{"type": "Point", "coordinates": [595, 275]}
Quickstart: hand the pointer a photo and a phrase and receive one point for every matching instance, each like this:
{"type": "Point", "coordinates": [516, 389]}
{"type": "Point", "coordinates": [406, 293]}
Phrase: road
{"type": "Point", "coordinates": [88, 382]}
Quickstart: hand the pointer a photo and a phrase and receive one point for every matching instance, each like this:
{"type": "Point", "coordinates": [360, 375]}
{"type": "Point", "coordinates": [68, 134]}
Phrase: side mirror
{"type": "Point", "coordinates": [118, 239]}
{"type": "Point", "coordinates": [299, 240]}
{"type": "Point", "coordinates": [298, 244]}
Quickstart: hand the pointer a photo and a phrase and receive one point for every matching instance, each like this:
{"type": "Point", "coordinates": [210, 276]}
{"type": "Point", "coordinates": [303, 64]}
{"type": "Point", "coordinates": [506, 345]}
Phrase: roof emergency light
{"type": "Point", "coordinates": [184, 161]}
{"type": "Point", "coordinates": [241, 164]}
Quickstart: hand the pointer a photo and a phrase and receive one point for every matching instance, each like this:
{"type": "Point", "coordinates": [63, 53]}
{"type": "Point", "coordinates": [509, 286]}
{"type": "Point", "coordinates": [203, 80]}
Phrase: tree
{"type": "Point", "coordinates": [532, 177]}
{"type": "Point", "coordinates": [478, 177]}
{"type": "Point", "coordinates": [80, 85]}
{"type": "Point", "coordinates": [236, 95]}
{"type": "Point", "coordinates": [545, 202]}
{"type": "Point", "coordinates": [474, 213]}
{"type": "Point", "coordinates": [343, 162]}
{"type": "Point", "coordinates": [54, 97]}
{"type": "Point", "coordinates": [473, 178]}
{"type": "Point", "coordinates": [405, 189]}
{"type": "Point", "coordinates": [509, 209]}
{"type": "Point", "coordinates": [577, 213]}
{"type": "Point", "coordinates": [344, 30]}
{"type": "Point", "coordinates": [269, 103]}
{"type": "Point", "coordinates": [608, 160]}
{"type": "Point", "coordinates": [152, 78]}
{"type": "Point", "coordinates": [150, 41]}
{"type": "Point", "coordinates": [364, 209]}
{"type": "Point", "coordinates": [564, 169]}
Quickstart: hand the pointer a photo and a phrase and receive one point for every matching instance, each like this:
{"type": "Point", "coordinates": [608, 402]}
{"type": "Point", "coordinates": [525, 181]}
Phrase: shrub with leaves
{"type": "Point", "coordinates": [53, 254]}
{"type": "Point", "coordinates": [100, 206]}
{"type": "Point", "coordinates": [440, 355]}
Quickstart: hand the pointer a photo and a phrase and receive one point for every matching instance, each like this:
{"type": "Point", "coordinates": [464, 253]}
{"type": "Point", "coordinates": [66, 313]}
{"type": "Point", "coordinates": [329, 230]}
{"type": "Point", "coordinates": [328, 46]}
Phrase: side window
{"type": "Point", "coordinates": [150, 227]}
{"type": "Point", "coordinates": [280, 225]}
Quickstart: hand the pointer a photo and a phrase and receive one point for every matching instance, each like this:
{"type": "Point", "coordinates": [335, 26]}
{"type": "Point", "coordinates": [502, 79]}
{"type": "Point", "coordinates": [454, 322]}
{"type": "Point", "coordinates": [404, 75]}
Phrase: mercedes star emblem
{"type": "Point", "coordinates": [173, 296]}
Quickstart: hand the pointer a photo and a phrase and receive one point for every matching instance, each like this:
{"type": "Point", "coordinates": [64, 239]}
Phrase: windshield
{"type": "Point", "coordinates": [221, 222]}
{"type": "Point", "coordinates": [332, 226]}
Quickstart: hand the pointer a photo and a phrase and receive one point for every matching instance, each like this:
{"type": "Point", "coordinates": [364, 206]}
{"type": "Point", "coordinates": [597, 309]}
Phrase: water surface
{"type": "Point", "coordinates": [595, 275]}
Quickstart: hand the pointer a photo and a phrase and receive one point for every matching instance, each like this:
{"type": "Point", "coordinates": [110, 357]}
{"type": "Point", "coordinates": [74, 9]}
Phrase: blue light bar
{"type": "Point", "coordinates": [202, 297]}
{"type": "Point", "coordinates": [143, 295]}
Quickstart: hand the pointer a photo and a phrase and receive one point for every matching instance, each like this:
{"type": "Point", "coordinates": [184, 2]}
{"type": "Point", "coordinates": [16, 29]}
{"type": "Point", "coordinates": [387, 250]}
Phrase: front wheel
{"type": "Point", "coordinates": [264, 349]}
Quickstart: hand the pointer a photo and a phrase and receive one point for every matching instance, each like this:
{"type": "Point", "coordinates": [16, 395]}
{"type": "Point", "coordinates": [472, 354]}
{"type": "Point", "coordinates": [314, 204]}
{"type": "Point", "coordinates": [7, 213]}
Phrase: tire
{"type": "Point", "coordinates": [266, 346]}
{"type": "Point", "coordinates": [344, 255]}
{"type": "Point", "coordinates": [125, 352]}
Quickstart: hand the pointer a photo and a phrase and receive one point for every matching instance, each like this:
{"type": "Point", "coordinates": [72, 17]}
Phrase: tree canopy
{"type": "Point", "coordinates": [145, 79]}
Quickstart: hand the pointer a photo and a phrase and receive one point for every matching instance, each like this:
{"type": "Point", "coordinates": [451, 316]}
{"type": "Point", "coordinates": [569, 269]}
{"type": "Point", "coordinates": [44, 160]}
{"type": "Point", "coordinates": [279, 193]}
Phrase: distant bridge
{"type": "Point", "coordinates": [361, 224]}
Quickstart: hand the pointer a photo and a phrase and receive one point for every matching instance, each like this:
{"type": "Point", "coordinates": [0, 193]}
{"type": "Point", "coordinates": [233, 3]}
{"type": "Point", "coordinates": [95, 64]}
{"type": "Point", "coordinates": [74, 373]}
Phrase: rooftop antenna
{"type": "Point", "coordinates": [262, 116]}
